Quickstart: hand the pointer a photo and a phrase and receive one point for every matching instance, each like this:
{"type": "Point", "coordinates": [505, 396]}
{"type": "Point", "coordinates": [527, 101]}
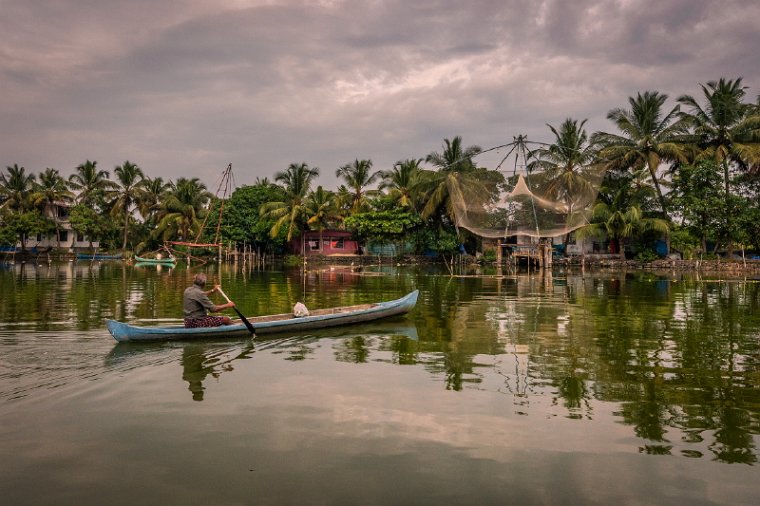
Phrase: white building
{"type": "Point", "coordinates": [69, 239]}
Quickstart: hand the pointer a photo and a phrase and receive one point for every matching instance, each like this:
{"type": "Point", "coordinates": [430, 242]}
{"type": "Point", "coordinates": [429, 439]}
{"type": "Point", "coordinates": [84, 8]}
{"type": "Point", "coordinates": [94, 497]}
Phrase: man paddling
{"type": "Point", "coordinates": [196, 305]}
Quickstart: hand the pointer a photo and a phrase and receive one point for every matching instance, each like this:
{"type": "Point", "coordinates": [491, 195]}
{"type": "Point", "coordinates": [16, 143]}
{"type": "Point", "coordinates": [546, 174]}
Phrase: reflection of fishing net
{"type": "Point", "coordinates": [545, 204]}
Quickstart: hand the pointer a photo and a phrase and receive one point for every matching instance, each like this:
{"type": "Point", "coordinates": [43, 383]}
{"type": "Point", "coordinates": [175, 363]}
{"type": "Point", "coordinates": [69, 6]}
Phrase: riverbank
{"type": "Point", "coordinates": [606, 262]}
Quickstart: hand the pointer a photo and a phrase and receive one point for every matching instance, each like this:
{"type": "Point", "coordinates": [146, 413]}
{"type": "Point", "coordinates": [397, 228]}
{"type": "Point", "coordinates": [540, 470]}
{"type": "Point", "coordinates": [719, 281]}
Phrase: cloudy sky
{"type": "Point", "coordinates": [184, 87]}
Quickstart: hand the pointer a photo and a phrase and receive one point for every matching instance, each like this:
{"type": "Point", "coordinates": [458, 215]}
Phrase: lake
{"type": "Point", "coordinates": [499, 388]}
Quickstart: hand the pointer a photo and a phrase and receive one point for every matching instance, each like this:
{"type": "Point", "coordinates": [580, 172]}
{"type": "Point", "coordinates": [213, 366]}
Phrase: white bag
{"type": "Point", "coordinates": [300, 310]}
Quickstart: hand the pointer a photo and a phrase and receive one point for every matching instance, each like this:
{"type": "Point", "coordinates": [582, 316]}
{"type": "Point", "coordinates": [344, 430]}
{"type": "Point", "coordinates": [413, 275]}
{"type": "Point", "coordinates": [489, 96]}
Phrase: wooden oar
{"type": "Point", "coordinates": [245, 320]}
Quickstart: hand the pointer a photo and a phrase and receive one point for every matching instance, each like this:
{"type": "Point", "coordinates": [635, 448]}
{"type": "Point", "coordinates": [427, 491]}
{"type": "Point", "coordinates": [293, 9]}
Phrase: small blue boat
{"type": "Point", "coordinates": [98, 256]}
{"type": "Point", "coordinates": [317, 319]}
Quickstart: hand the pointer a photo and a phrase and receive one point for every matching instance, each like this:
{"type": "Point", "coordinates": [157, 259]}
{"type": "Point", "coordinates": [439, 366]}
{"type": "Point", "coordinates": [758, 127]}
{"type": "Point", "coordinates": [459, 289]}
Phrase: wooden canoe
{"type": "Point", "coordinates": [317, 319]}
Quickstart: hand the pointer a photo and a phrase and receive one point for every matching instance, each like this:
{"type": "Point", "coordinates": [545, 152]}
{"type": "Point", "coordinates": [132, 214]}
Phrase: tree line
{"type": "Point", "coordinates": [690, 172]}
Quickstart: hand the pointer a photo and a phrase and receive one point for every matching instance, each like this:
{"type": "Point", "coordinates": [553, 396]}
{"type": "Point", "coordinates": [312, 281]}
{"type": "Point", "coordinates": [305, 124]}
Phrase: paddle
{"type": "Point", "coordinates": [245, 320]}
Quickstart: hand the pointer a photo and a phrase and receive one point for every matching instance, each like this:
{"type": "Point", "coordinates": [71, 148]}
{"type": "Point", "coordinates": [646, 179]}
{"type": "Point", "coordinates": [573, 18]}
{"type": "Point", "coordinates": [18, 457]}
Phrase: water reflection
{"type": "Point", "coordinates": [673, 358]}
{"type": "Point", "coordinates": [198, 363]}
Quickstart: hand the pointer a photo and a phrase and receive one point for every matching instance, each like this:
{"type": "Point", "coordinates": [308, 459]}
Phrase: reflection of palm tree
{"type": "Point", "coordinates": [291, 212]}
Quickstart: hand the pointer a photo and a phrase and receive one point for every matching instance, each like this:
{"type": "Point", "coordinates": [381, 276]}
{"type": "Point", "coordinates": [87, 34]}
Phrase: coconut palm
{"type": "Point", "coordinates": [402, 182]}
{"type": "Point", "coordinates": [16, 189]}
{"type": "Point", "coordinates": [296, 182]}
{"type": "Point", "coordinates": [358, 176]}
{"type": "Point", "coordinates": [564, 162]}
{"type": "Point", "coordinates": [726, 129]}
{"type": "Point", "coordinates": [154, 190]}
{"type": "Point", "coordinates": [619, 214]}
{"type": "Point", "coordinates": [181, 213]}
{"type": "Point", "coordinates": [321, 211]}
{"type": "Point", "coordinates": [648, 137]}
{"type": "Point", "coordinates": [50, 193]}
{"type": "Point", "coordinates": [130, 182]}
{"type": "Point", "coordinates": [90, 183]}
{"type": "Point", "coordinates": [451, 163]}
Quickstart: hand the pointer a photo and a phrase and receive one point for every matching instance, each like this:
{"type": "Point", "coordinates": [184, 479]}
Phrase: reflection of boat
{"type": "Point", "coordinates": [317, 319]}
{"type": "Point", "coordinates": [154, 261]}
{"type": "Point", "coordinates": [98, 256]}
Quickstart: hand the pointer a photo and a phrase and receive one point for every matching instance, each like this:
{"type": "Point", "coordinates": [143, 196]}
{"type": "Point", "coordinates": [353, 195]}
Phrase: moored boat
{"type": "Point", "coordinates": [98, 256]}
{"type": "Point", "coordinates": [287, 322]}
{"type": "Point", "coordinates": [144, 261]}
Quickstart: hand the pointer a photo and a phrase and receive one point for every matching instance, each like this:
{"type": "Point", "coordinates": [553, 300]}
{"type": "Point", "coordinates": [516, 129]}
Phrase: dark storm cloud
{"type": "Point", "coordinates": [185, 87]}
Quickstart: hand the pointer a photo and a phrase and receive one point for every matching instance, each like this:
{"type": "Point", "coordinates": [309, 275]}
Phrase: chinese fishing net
{"type": "Point", "coordinates": [549, 203]}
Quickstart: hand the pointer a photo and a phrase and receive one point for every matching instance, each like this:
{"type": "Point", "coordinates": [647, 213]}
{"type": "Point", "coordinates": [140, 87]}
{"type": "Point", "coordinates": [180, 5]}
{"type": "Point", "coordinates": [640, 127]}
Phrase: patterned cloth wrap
{"type": "Point", "coordinates": [206, 321]}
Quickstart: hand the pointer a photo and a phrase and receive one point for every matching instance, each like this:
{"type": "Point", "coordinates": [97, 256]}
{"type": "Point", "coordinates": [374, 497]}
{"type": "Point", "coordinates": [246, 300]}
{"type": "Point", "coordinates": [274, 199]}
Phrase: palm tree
{"type": "Point", "coordinates": [726, 129]}
{"type": "Point", "coordinates": [91, 183]}
{"type": "Point", "coordinates": [321, 210]}
{"type": "Point", "coordinates": [451, 164]}
{"type": "Point", "coordinates": [357, 176]}
{"type": "Point", "coordinates": [51, 192]}
{"type": "Point", "coordinates": [565, 165]}
{"type": "Point", "coordinates": [130, 185]}
{"type": "Point", "coordinates": [402, 182]}
{"type": "Point", "coordinates": [181, 213]}
{"type": "Point", "coordinates": [648, 138]}
{"type": "Point", "coordinates": [154, 190]}
{"type": "Point", "coordinates": [564, 161]}
{"type": "Point", "coordinates": [618, 213]}
{"type": "Point", "coordinates": [16, 189]}
{"type": "Point", "coordinates": [296, 181]}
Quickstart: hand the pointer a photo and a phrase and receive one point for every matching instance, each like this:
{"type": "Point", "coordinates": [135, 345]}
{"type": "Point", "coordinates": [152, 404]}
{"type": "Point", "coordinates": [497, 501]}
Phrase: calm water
{"type": "Point", "coordinates": [592, 389]}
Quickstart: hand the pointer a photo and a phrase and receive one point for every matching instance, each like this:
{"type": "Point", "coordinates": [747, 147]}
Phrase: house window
{"type": "Point", "coordinates": [313, 245]}
{"type": "Point", "coordinates": [39, 237]}
{"type": "Point", "coordinates": [337, 243]}
{"type": "Point", "coordinates": [63, 212]}
{"type": "Point", "coordinates": [80, 237]}
{"type": "Point", "coordinates": [63, 235]}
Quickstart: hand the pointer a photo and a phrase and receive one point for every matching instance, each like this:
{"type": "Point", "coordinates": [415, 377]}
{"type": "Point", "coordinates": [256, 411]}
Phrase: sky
{"type": "Point", "coordinates": [183, 88]}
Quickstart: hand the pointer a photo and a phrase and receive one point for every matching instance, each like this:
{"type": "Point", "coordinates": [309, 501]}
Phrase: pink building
{"type": "Point", "coordinates": [334, 242]}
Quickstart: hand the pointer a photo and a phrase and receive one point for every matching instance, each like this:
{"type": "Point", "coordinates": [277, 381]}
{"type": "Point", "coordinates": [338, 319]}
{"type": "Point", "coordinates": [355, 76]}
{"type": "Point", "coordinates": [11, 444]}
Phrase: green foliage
{"type": "Point", "coordinates": [292, 261]}
{"type": "Point", "coordinates": [241, 218]}
{"type": "Point", "coordinates": [683, 240]}
{"type": "Point", "coordinates": [446, 242]}
{"type": "Point", "coordinates": [19, 226]}
{"type": "Point", "coordinates": [647, 256]}
{"type": "Point", "coordinates": [88, 222]}
{"type": "Point", "coordinates": [382, 226]}
{"type": "Point", "coordinates": [489, 255]}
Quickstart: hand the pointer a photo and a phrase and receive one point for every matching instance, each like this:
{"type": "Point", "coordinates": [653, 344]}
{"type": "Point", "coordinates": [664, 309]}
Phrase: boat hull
{"type": "Point", "coordinates": [95, 256]}
{"type": "Point", "coordinates": [155, 261]}
{"type": "Point", "coordinates": [319, 319]}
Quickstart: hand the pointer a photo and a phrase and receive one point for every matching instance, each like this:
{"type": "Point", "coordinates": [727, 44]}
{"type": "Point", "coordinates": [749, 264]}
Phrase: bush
{"type": "Point", "coordinates": [489, 255]}
{"type": "Point", "coordinates": [647, 256]}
